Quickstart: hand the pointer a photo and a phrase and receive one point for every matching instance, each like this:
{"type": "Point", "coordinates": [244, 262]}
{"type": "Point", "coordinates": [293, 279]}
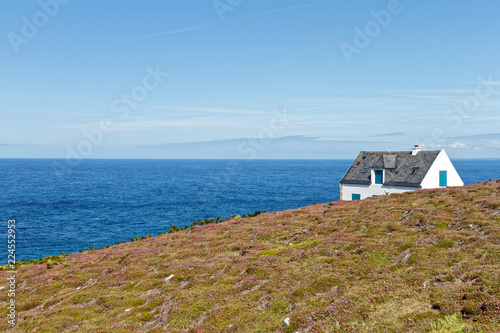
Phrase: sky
{"type": "Point", "coordinates": [248, 79]}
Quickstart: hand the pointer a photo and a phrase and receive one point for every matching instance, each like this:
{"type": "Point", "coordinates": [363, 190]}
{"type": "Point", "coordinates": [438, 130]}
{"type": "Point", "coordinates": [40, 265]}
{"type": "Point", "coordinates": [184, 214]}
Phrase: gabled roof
{"type": "Point", "coordinates": [401, 167]}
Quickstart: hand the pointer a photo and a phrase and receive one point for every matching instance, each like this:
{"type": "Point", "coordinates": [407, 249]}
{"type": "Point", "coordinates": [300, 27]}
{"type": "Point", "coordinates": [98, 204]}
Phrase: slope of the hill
{"type": "Point", "coordinates": [397, 263]}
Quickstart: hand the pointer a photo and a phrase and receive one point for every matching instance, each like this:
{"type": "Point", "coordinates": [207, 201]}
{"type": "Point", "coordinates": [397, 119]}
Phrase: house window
{"type": "Point", "coordinates": [356, 196]}
{"type": "Point", "coordinates": [379, 176]}
{"type": "Point", "coordinates": [443, 178]}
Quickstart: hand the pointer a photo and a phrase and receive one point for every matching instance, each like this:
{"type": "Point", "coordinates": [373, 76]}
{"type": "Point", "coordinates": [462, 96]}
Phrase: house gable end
{"type": "Point", "coordinates": [441, 163]}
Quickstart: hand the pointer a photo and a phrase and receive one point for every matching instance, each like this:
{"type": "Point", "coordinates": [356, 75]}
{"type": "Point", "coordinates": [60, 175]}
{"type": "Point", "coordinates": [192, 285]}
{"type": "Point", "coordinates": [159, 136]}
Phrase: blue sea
{"type": "Point", "coordinates": [100, 202]}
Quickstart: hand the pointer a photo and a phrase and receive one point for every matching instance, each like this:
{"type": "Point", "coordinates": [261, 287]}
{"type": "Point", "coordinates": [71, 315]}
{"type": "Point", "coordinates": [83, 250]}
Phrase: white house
{"type": "Point", "coordinates": [376, 173]}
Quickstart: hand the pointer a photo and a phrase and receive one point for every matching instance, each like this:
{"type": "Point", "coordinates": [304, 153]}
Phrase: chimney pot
{"type": "Point", "coordinates": [415, 150]}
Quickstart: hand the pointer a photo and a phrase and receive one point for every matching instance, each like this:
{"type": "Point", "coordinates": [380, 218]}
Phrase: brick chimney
{"type": "Point", "coordinates": [415, 150]}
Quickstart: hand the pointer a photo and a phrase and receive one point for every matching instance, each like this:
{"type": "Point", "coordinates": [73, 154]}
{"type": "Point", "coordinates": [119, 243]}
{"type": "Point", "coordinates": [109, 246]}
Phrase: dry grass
{"type": "Point", "coordinates": [398, 263]}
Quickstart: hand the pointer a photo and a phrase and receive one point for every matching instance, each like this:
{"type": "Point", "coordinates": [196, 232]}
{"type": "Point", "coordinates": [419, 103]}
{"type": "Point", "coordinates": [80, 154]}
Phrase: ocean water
{"type": "Point", "coordinates": [101, 202]}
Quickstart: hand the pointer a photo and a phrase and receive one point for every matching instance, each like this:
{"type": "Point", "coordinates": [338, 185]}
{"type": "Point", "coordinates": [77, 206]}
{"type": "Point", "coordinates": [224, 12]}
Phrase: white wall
{"type": "Point", "coordinates": [366, 191]}
{"type": "Point", "coordinates": [441, 163]}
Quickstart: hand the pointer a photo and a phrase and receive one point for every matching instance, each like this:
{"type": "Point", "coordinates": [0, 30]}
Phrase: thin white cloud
{"type": "Point", "coordinates": [489, 83]}
{"type": "Point", "coordinates": [416, 100]}
{"type": "Point", "coordinates": [58, 113]}
{"type": "Point", "coordinates": [190, 123]}
{"type": "Point", "coordinates": [458, 145]}
{"type": "Point", "coordinates": [203, 26]}
{"type": "Point", "coordinates": [474, 21]}
{"type": "Point", "coordinates": [207, 109]}
{"type": "Point", "coordinates": [165, 33]}
{"type": "Point", "coordinates": [278, 11]}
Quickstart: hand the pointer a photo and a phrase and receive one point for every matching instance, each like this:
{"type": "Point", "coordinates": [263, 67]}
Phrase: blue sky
{"type": "Point", "coordinates": [248, 79]}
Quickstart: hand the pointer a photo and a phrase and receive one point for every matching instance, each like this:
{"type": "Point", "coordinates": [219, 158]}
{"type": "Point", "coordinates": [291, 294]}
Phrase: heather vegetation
{"type": "Point", "coordinates": [425, 261]}
{"type": "Point", "coordinates": [56, 260]}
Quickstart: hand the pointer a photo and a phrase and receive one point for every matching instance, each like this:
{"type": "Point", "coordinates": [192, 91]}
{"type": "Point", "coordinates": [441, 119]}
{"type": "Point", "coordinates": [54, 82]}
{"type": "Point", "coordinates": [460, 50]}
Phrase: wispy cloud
{"type": "Point", "coordinates": [474, 21]}
{"type": "Point", "coordinates": [398, 99]}
{"type": "Point", "coordinates": [278, 11]}
{"type": "Point", "coordinates": [16, 145]}
{"type": "Point", "coordinates": [59, 113]}
{"type": "Point", "coordinates": [479, 136]}
{"type": "Point", "coordinates": [165, 33]}
{"type": "Point", "coordinates": [142, 124]}
{"type": "Point", "coordinates": [479, 142]}
{"type": "Point", "coordinates": [204, 26]}
{"type": "Point", "coordinates": [207, 109]}
{"type": "Point", "coordinates": [491, 83]}
{"type": "Point", "coordinates": [387, 134]}
{"type": "Point", "coordinates": [458, 145]}
{"type": "Point", "coordinates": [165, 124]}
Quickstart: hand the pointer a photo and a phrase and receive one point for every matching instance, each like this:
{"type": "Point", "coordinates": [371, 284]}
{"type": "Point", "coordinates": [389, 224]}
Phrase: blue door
{"type": "Point", "coordinates": [443, 178]}
{"type": "Point", "coordinates": [356, 196]}
{"type": "Point", "coordinates": [378, 176]}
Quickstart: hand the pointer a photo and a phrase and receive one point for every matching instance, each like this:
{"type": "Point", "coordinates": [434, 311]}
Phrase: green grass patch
{"type": "Point", "coordinates": [293, 246]}
{"type": "Point", "coordinates": [441, 225]}
{"type": "Point", "coordinates": [445, 244]}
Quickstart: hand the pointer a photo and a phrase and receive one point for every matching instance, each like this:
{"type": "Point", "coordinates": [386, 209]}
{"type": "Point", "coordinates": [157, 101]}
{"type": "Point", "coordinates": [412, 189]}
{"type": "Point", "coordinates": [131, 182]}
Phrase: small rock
{"type": "Point", "coordinates": [220, 273]}
{"type": "Point", "coordinates": [286, 322]}
{"type": "Point", "coordinates": [403, 257]}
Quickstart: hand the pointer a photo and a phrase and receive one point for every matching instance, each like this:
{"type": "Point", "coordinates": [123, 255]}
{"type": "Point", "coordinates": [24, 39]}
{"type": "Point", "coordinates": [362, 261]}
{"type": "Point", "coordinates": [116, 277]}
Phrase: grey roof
{"type": "Point", "coordinates": [401, 167]}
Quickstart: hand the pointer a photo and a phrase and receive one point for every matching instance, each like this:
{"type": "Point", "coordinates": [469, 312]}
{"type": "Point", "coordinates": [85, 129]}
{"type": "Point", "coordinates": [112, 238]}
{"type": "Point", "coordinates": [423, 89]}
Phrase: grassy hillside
{"type": "Point", "coordinates": [400, 263]}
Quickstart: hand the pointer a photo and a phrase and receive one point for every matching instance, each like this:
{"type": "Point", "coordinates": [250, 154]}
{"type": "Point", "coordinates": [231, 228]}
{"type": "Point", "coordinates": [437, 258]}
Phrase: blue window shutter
{"type": "Point", "coordinates": [379, 176]}
{"type": "Point", "coordinates": [443, 178]}
{"type": "Point", "coordinates": [356, 196]}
